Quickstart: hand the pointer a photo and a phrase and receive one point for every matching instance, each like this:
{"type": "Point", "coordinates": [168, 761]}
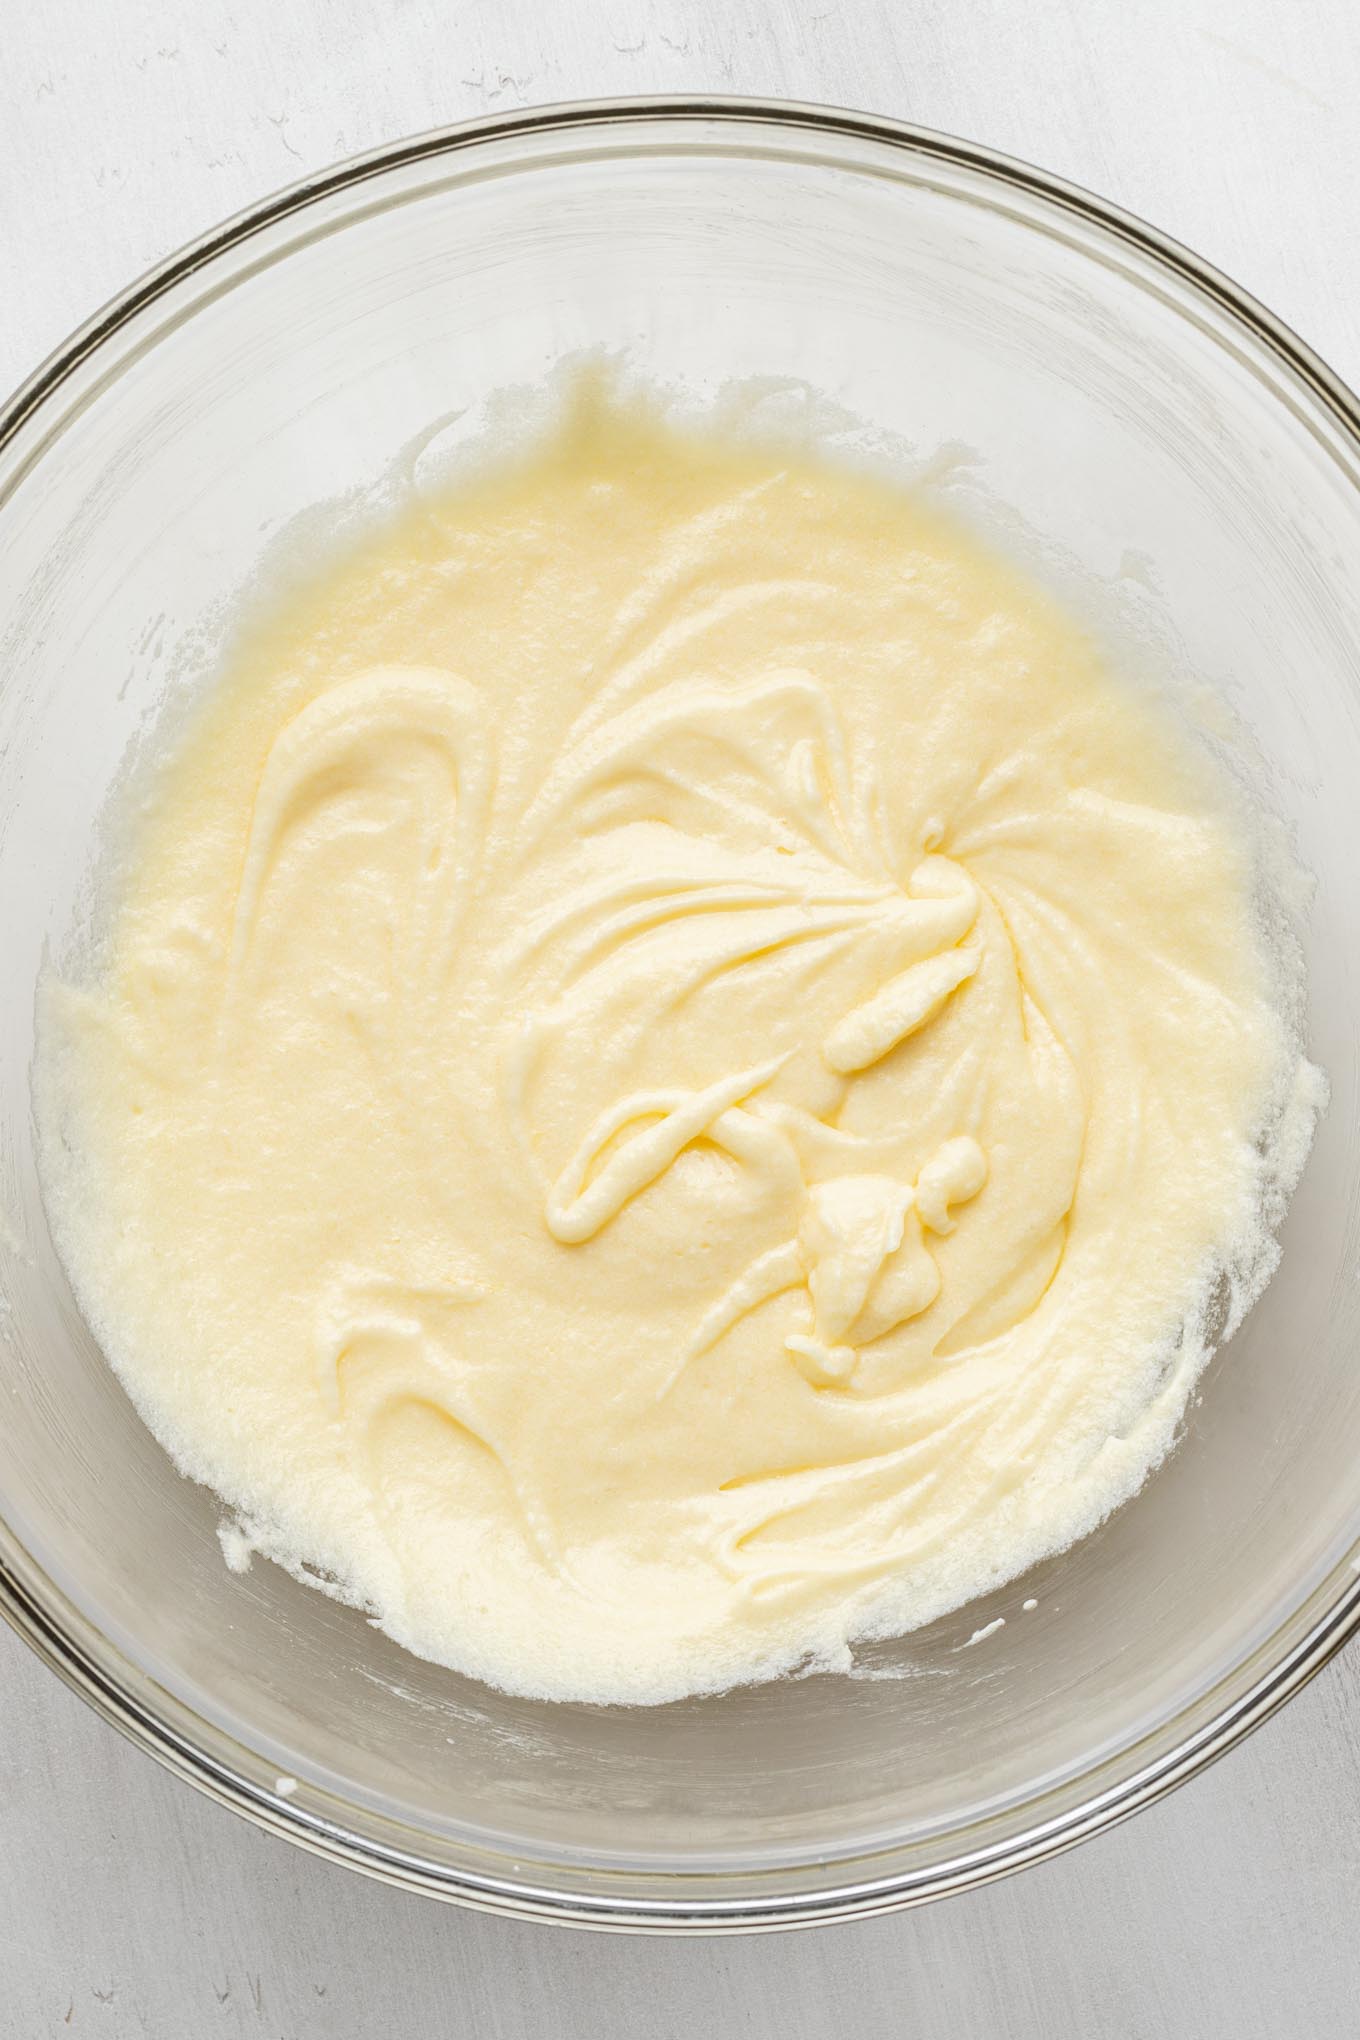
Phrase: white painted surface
{"type": "Point", "coordinates": [130, 1907]}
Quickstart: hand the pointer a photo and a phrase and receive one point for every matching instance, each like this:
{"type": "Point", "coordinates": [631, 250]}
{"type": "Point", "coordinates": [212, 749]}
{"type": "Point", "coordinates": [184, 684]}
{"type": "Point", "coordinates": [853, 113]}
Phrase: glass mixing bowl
{"type": "Point", "coordinates": [1180, 463]}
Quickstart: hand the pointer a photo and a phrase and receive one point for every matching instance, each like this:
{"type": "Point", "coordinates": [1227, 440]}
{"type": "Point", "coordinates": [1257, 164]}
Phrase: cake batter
{"type": "Point", "coordinates": [676, 1075]}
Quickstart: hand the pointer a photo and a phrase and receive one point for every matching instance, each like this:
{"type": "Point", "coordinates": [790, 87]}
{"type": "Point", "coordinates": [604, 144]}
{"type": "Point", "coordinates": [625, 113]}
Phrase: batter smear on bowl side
{"type": "Point", "coordinates": [677, 1074]}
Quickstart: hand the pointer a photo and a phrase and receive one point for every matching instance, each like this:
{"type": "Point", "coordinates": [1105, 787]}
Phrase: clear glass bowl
{"type": "Point", "coordinates": [1178, 457]}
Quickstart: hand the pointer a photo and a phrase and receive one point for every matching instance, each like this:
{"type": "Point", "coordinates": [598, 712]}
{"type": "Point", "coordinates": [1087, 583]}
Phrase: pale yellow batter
{"type": "Point", "coordinates": [676, 1070]}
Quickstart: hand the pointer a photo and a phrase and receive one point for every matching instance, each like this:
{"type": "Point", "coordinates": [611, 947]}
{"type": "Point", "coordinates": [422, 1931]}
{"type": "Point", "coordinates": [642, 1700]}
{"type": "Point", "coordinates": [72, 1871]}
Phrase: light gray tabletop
{"type": "Point", "coordinates": [130, 1907]}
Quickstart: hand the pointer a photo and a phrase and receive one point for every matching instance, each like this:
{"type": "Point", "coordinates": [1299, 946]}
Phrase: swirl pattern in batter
{"type": "Point", "coordinates": [676, 1074]}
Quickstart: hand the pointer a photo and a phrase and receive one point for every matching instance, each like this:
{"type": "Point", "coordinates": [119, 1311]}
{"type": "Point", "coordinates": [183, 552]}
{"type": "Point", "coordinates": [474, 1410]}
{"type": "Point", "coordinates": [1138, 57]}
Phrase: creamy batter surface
{"type": "Point", "coordinates": [678, 1075]}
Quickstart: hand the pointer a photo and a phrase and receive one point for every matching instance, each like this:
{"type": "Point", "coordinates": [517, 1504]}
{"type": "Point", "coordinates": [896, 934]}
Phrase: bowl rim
{"type": "Point", "coordinates": [169, 1730]}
